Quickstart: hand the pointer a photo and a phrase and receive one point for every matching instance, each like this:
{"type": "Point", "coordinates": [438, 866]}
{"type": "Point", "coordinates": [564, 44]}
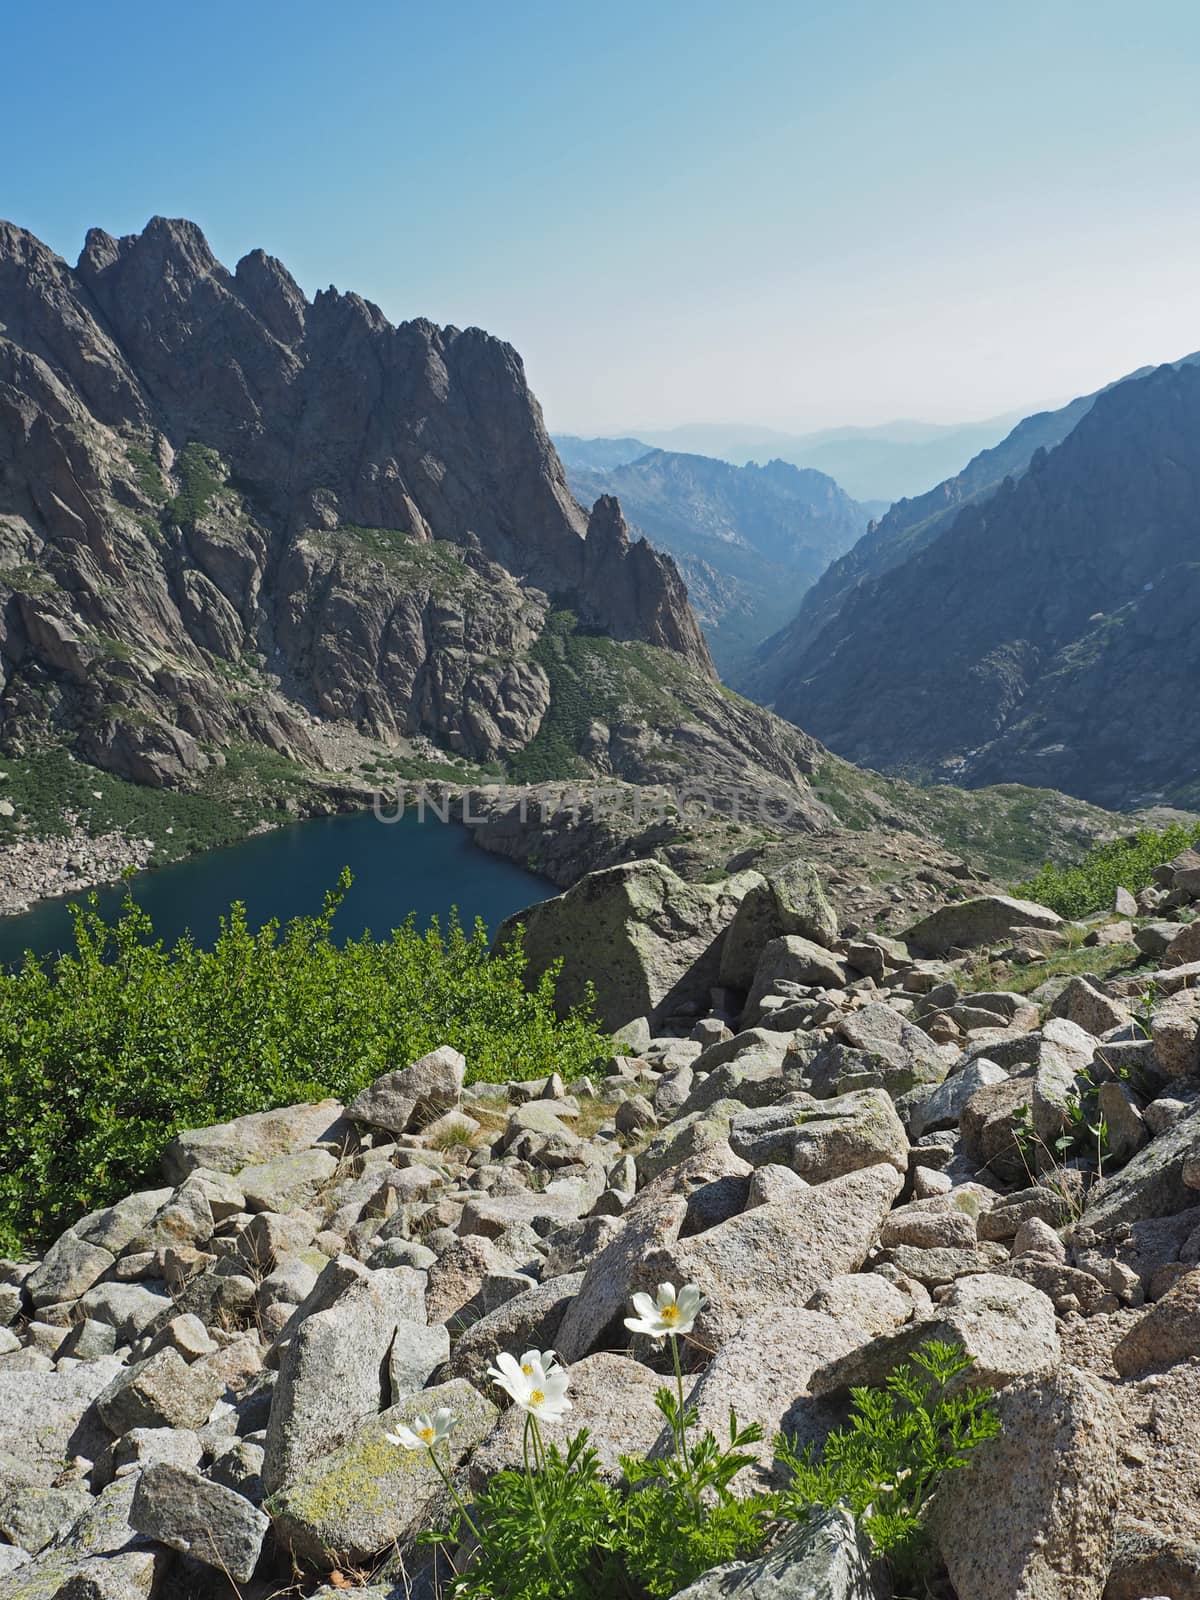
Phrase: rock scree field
{"type": "Point", "coordinates": [748, 1252]}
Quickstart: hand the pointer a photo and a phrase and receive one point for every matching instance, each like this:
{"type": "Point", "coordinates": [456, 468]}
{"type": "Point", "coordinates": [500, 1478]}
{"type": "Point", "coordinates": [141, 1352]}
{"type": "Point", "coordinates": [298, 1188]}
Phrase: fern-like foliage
{"type": "Point", "coordinates": [886, 1464]}
{"type": "Point", "coordinates": [682, 1516]}
{"type": "Point", "coordinates": [546, 1536]}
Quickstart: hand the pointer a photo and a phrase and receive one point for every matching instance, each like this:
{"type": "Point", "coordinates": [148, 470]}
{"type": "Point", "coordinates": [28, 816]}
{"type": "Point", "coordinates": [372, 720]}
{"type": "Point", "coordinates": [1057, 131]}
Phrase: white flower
{"type": "Point", "coordinates": [426, 1432]}
{"type": "Point", "coordinates": [669, 1313]}
{"type": "Point", "coordinates": [537, 1387]}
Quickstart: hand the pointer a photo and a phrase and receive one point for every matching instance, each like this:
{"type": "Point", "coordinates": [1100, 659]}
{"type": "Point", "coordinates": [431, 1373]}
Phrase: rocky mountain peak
{"type": "Point", "coordinates": [272, 294]}
{"type": "Point", "coordinates": [202, 467]}
{"type": "Point", "coordinates": [607, 525]}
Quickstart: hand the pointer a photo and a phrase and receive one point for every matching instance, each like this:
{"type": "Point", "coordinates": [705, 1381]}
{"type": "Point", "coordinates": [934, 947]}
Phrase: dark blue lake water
{"type": "Point", "coordinates": [408, 866]}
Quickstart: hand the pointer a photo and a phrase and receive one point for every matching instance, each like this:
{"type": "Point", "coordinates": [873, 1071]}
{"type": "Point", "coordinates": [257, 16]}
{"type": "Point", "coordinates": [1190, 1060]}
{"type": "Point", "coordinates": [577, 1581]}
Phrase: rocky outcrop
{"type": "Point", "coordinates": [749, 539]}
{"type": "Point", "coordinates": [648, 943]}
{"type": "Point", "coordinates": [226, 510]}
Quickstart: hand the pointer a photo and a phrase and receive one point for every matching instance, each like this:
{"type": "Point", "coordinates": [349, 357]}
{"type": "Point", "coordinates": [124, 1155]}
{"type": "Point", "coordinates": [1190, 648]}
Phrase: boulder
{"type": "Point", "coordinates": [826, 1558]}
{"type": "Point", "coordinates": [68, 1269]}
{"type": "Point", "coordinates": [764, 1375]}
{"type": "Point", "coordinates": [1184, 947]}
{"type": "Point", "coordinates": [776, 1254]}
{"type": "Point", "coordinates": [968, 924]}
{"type": "Point", "coordinates": [649, 942]}
{"type": "Point", "coordinates": [61, 1402]}
{"type": "Point", "coordinates": [822, 1139]}
{"type": "Point", "coordinates": [687, 1137]}
{"type": "Point", "coordinates": [1152, 1184]}
{"type": "Point", "coordinates": [1175, 1030]}
{"type": "Point", "coordinates": [417, 1351]}
{"type": "Point", "coordinates": [649, 1225]}
{"type": "Point", "coordinates": [612, 1396]}
{"type": "Point", "coordinates": [1030, 1517]}
{"type": "Point", "coordinates": [332, 1373]}
{"type": "Point", "coordinates": [927, 1109]}
{"type": "Point", "coordinates": [33, 1516]}
{"type": "Point", "coordinates": [898, 1056]}
{"type": "Point", "coordinates": [412, 1096]}
{"type": "Point", "coordinates": [288, 1182]}
{"type": "Point", "coordinates": [1168, 1333]}
{"type": "Point", "coordinates": [141, 1447]}
{"type": "Point", "coordinates": [199, 1518]}
{"type": "Point", "coordinates": [791, 959]}
{"type": "Point", "coordinates": [1149, 1561]}
{"type": "Point", "coordinates": [128, 1308]}
{"type": "Point", "coordinates": [1005, 1326]}
{"type": "Point", "coordinates": [1090, 1008]}
{"type": "Point", "coordinates": [863, 1300]}
{"type": "Point", "coordinates": [929, 1225]}
{"type": "Point", "coordinates": [790, 899]}
{"type": "Point", "coordinates": [161, 1392]}
{"type": "Point", "coordinates": [101, 1558]}
{"type": "Point", "coordinates": [526, 1322]}
{"type": "Point", "coordinates": [253, 1140]}
{"type": "Point", "coordinates": [369, 1494]}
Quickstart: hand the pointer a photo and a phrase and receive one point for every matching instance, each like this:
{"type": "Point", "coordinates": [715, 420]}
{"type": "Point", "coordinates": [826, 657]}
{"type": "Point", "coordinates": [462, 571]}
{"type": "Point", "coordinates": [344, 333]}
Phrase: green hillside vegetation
{"type": "Point", "coordinates": [1074, 891]}
{"type": "Point", "coordinates": [592, 676]}
{"type": "Point", "coordinates": [110, 1050]}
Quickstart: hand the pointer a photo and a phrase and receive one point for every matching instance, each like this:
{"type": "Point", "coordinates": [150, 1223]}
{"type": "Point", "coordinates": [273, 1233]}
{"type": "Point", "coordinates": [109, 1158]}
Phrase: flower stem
{"type": "Point", "coordinates": [681, 1430]}
{"type": "Point", "coordinates": [534, 1433]}
{"type": "Point", "coordinates": [444, 1476]}
{"type": "Point", "coordinates": [681, 1435]}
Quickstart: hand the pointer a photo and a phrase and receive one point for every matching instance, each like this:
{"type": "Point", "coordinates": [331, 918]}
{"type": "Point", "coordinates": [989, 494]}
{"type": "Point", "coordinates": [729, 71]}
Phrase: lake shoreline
{"type": "Point", "coordinates": [284, 872]}
{"type": "Point", "coordinates": [53, 866]}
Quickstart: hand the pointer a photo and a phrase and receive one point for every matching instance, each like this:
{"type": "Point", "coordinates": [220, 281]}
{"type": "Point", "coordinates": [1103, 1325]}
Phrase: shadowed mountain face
{"type": "Point", "coordinates": [1045, 634]}
{"type": "Point", "coordinates": [749, 540]}
{"type": "Point", "coordinates": [909, 526]}
{"type": "Point", "coordinates": [225, 509]}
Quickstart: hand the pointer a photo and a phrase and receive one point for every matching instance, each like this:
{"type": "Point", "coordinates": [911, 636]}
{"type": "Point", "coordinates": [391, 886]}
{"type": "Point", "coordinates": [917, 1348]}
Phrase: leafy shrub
{"type": "Point", "coordinates": [1125, 863]}
{"type": "Point", "coordinates": [557, 1532]}
{"type": "Point", "coordinates": [684, 1518]}
{"type": "Point", "coordinates": [202, 478]}
{"type": "Point", "coordinates": [110, 1050]}
{"type": "Point", "coordinates": [547, 1536]}
{"type": "Point", "coordinates": [900, 1441]}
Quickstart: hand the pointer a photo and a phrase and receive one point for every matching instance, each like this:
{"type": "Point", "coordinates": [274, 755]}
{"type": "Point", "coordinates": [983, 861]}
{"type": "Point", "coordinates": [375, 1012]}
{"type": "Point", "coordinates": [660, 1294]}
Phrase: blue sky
{"type": "Point", "coordinates": [783, 214]}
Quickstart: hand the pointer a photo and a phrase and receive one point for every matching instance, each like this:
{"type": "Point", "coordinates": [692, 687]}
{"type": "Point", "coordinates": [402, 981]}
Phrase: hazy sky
{"type": "Point", "coordinates": [785, 214]}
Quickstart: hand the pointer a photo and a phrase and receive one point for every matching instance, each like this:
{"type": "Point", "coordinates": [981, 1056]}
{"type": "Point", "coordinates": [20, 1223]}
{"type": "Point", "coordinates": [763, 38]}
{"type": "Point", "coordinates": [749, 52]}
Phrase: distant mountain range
{"type": "Point", "coordinates": [878, 463]}
{"type": "Point", "coordinates": [748, 540]}
{"type": "Point", "coordinates": [1032, 619]}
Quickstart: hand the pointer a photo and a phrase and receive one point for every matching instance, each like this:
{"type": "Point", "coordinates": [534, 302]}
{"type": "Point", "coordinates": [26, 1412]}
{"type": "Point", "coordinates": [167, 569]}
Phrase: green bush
{"type": "Point", "coordinates": [110, 1050]}
{"type": "Point", "coordinates": [1125, 863]}
{"type": "Point", "coordinates": [886, 1464]}
{"type": "Point", "coordinates": [201, 478]}
{"type": "Point", "coordinates": [556, 1531]}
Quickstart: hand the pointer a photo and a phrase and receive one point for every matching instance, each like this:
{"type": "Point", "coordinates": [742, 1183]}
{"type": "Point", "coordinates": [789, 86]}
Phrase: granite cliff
{"type": "Point", "coordinates": [228, 513]}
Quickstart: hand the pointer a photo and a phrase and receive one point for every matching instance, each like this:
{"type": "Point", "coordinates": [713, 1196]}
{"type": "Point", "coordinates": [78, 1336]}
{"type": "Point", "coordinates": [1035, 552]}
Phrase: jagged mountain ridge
{"type": "Point", "coordinates": [749, 540]}
{"type": "Point", "coordinates": [1047, 634]}
{"type": "Point", "coordinates": [224, 509]}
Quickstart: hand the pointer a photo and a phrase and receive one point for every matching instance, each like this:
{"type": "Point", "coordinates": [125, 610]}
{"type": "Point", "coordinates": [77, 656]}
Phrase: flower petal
{"type": "Point", "coordinates": [644, 1306]}
{"type": "Point", "coordinates": [666, 1295]}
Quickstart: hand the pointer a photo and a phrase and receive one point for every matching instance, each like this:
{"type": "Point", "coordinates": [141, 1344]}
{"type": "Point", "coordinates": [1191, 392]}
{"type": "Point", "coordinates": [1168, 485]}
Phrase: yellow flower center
{"type": "Point", "coordinates": [537, 1398]}
{"type": "Point", "coordinates": [670, 1314]}
{"type": "Point", "coordinates": [427, 1434]}
{"type": "Point", "coordinates": [527, 1370]}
